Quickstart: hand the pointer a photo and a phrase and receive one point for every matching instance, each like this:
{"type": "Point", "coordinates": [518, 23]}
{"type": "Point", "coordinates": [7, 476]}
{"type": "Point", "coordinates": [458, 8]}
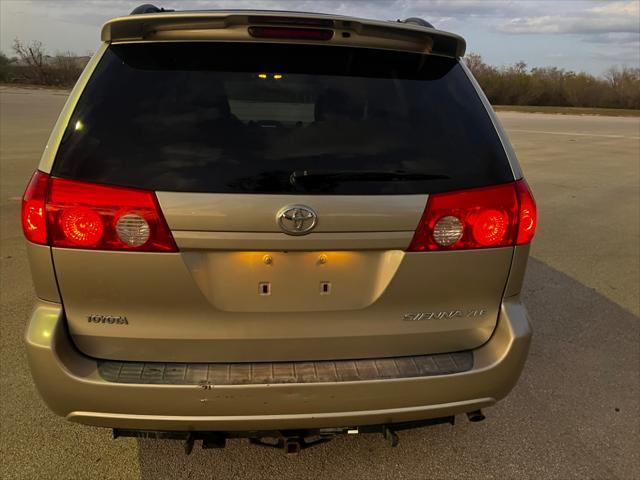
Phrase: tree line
{"type": "Point", "coordinates": [509, 85]}
{"type": "Point", "coordinates": [31, 65]}
{"type": "Point", "coordinates": [551, 86]}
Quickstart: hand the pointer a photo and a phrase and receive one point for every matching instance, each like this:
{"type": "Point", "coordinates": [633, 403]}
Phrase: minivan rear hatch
{"type": "Point", "coordinates": [232, 138]}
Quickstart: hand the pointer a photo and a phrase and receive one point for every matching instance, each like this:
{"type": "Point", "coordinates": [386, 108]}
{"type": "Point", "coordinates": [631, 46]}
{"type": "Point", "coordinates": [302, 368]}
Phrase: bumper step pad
{"type": "Point", "coordinates": [284, 372]}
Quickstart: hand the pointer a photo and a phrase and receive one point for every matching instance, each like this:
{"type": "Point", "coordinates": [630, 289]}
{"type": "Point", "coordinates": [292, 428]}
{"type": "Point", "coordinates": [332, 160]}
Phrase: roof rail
{"type": "Point", "coordinates": [148, 8]}
{"type": "Point", "coordinates": [417, 21]}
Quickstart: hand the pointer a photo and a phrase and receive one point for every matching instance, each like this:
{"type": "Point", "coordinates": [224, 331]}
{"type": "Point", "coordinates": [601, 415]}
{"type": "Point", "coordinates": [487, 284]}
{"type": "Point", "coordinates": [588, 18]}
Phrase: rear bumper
{"type": "Point", "coordinates": [71, 386]}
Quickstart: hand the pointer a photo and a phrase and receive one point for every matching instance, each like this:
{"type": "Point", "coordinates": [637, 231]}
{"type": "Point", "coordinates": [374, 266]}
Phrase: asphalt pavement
{"type": "Point", "coordinates": [574, 414]}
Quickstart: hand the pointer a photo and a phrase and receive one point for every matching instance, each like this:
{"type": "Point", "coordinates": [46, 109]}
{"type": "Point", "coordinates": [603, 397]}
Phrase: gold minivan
{"type": "Point", "coordinates": [276, 225]}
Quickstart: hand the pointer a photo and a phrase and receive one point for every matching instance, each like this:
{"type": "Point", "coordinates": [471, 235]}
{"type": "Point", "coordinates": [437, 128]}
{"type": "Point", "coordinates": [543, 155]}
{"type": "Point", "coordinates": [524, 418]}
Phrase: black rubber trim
{"type": "Point", "coordinates": [284, 372]}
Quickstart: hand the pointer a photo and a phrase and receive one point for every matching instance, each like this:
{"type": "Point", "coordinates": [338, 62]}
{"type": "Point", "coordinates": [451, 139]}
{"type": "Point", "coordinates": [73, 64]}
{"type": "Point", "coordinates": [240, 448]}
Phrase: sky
{"type": "Point", "coordinates": [579, 35]}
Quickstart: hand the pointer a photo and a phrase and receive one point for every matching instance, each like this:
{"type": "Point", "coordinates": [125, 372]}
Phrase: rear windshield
{"type": "Point", "coordinates": [273, 118]}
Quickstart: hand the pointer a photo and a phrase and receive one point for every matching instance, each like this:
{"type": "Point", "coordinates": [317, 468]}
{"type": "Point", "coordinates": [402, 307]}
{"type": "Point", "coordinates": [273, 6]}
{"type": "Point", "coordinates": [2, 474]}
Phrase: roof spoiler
{"type": "Point", "coordinates": [409, 35]}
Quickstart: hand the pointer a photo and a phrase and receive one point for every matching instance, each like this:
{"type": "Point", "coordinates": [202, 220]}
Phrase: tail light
{"type": "Point", "coordinates": [477, 218]}
{"type": "Point", "coordinates": [528, 213]}
{"type": "Point", "coordinates": [34, 216]}
{"type": "Point", "coordinates": [73, 214]}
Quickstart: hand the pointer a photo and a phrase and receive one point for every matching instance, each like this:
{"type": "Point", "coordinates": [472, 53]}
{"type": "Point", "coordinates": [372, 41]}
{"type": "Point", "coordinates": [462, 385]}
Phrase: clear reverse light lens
{"type": "Point", "coordinates": [447, 231]}
{"type": "Point", "coordinates": [133, 230]}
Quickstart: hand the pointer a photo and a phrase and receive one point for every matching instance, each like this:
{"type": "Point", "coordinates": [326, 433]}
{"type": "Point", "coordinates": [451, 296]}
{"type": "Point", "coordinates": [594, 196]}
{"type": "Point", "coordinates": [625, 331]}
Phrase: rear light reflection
{"type": "Point", "coordinates": [496, 216]}
{"type": "Point", "coordinates": [73, 214]}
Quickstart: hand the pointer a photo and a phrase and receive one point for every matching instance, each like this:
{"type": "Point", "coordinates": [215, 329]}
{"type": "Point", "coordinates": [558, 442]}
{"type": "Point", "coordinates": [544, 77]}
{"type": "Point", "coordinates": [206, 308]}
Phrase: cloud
{"type": "Point", "coordinates": [96, 12]}
{"type": "Point", "coordinates": [611, 29]}
{"type": "Point", "coordinates": [620, 8]}
{"type": "Point", "coordinates": [614, 17]}
{"type": "Point", "coordinates": [617, 38]}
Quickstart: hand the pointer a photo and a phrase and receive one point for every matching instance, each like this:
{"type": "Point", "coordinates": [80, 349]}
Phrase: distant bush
{"type": "Point", "coordinates": [33, 65]}
{"type": "Point", "coordinates": [5, 67]}
{"type": "Point", "coordinates": [551, 86]}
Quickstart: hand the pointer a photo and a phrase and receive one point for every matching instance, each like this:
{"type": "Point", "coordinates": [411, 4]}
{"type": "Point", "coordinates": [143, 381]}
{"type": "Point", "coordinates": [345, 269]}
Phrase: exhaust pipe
{"type": "Point", "coordinates": [476, 416]}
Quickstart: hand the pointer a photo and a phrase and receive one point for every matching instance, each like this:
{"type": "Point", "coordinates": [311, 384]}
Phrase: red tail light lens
{"type": "Point", "coordinates": [477, 218]}
{"type": "Point", "coordinates": [291, 33]}
{"type": "Point", "coordinates": [73, 214]}
{"type": "Point", "coordinates": [490, 227]}
{"type": "Point", "coordinates": [82, 226]}
{"type": "Point", "coordinates": [34, 220]}
{"type": "Point", "coordinates": [528, 213]}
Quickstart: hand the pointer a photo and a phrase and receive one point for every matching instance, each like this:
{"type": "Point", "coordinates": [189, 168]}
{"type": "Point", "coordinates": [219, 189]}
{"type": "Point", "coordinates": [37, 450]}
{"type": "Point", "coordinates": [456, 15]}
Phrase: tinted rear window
{"type": "Point", "coordinates": [242, 118]}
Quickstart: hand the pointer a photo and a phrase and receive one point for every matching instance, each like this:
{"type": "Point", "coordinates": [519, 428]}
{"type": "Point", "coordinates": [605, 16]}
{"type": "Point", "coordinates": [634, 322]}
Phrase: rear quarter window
{"type": "Point", "coordinates": [242, 118]}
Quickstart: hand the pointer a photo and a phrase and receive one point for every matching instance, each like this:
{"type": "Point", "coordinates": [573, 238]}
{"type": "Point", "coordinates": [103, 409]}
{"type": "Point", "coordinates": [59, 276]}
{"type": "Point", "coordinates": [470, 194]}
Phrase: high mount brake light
{"type": "Point", "coordinates": [295, 21]}
{"type": "Point", "coordinates": [73, 214]}
{"type": "Point", "coordinates": [291, 33]}
{"type": "Point", "coordinates": [485, 217]}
